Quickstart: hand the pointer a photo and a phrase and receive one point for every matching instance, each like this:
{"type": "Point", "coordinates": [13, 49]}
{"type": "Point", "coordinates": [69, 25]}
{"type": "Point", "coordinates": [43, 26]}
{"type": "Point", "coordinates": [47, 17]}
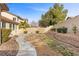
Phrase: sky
{"type": "Point", "coordinates": [33, 11]}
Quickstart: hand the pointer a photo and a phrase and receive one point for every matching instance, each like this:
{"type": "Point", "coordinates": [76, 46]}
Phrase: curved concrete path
{"type": "Point", "coordinates": [25, 48]}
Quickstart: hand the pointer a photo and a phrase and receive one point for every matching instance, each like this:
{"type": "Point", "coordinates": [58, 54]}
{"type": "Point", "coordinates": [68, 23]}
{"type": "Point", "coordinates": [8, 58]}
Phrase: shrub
{"type": "Point", "coordinates": [37, 31]}
{"type": "Point", "coordinates": [5, 34]}
{"type": "Point", "coordinates": [25, 32]}
{"type": "Point", "coordinates": [23, 24]}
{"type": "Point", "coordinates": [53, 29]}
{"type": "Point", "coordinates": [62, 30]}
{"type": "Point", "coordinates": [64, 51]}
{"type": "Point", "coordinates": [74, 29]}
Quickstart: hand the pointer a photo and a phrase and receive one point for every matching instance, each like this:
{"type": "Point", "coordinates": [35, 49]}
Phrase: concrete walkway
{"type": "Point", "coordinates": [25, 48]}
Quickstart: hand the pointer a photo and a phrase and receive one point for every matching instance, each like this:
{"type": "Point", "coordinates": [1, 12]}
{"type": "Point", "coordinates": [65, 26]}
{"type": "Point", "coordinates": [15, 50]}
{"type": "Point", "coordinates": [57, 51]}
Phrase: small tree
{"type": "Point", "coordinates": [74, 29]}
{"type": "Point", "coordinates": [53, 16]}
{"type": "Point", "coordinates": [23, 24]}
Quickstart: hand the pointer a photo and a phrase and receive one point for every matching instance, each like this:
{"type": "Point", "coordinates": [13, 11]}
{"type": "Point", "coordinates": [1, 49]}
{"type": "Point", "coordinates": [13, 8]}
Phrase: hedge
{"type": "Point", "coordinates": [62, 30]}
{"type": "Point", "coordinates": [5, 34]}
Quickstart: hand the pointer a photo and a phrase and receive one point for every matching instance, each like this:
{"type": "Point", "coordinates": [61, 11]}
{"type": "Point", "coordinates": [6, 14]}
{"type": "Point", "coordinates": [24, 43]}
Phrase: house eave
{"type": "Point", "coordinates": [4, 7]}
{"type": "Point", "coordinates": [4, 19]}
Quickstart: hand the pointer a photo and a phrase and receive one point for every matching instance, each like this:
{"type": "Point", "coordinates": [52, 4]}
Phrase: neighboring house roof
{"type": "Point", "coordinates": [4, 7]}
{"type": "Point", "coordinates": [4, 19]}
{"type": "Point", "coordinates": [70, 22]}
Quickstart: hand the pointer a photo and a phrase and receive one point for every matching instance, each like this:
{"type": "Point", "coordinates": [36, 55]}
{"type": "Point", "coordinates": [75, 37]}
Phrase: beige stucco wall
{"type": "Point", "coordinates": [10, 16]}
{"type": "Point", "coordinates": [7, 25]}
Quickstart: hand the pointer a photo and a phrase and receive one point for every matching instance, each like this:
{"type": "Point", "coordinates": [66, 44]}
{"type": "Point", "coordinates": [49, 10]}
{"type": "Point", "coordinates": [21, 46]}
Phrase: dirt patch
{"type": "Point", "coordinates": [9, 48]}
{"type": "Point", "coordinates": [41, 47]}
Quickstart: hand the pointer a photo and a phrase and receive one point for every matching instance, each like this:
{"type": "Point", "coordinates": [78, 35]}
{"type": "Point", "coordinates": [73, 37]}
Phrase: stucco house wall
{"type": "Point", "coordinates": [11, 17]}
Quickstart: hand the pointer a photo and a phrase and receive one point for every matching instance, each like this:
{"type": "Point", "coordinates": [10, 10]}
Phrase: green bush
{"type": "Point", "coordinates": [74, 29]}
{"type": "Point", "coordinates": [62, 30]}
{"type": "Point", "coordinates": [23, 24]}
{"type": "Point", "coordinates": [5, 34]}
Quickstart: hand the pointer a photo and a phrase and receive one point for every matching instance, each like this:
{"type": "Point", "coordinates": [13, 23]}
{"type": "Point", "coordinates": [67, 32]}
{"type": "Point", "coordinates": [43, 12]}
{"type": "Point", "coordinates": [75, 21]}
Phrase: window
{"type": "Point", "coordinates": [14, 19]}
{"type": "Point", "coordinates": [13, 26]}
{"type": "Point", "coordinates": [0, 24]}
{"type": "Point", "coordinates": [3, 25]}
{"type": "Point", "coordinates": [10, 26]}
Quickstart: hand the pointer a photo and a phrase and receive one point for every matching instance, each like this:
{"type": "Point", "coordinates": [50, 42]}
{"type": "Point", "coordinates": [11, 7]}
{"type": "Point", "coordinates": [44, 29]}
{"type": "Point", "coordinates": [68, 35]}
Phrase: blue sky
{"type": "Point", "coordinates": [33, 11]}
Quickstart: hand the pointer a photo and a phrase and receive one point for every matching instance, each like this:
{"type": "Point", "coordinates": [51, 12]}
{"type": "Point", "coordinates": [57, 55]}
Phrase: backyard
{"type": "Point", "coordinates": [48, 43]}
{"type": "Point", "coordinates": [52, 33]}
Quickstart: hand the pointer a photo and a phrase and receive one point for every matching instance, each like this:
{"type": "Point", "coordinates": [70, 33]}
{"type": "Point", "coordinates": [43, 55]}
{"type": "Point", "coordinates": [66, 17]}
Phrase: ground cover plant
{"type": "Point", "coordinates": [52, 43]}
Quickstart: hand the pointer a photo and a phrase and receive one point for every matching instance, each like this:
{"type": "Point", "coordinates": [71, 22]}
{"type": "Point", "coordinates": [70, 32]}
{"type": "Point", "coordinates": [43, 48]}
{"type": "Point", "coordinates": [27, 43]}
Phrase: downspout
{"type": "Point", "coordinates": [1, 27]}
